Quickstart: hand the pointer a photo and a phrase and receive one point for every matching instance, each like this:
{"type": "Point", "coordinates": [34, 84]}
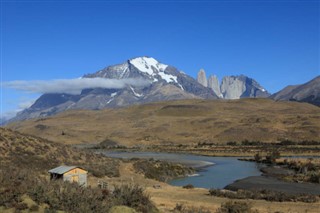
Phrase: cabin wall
{"type": "Point", "coordinates": [76, 175]}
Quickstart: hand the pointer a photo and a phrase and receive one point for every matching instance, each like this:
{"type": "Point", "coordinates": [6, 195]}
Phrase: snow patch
{"type": "Point", "coordinates": [113, 94]}
{"type": "Point", "coordinates": [110, 101]}
{"type": "Point", "coordinates": [153, 68]}
{"type": "Point", "coordinates": [124, 72]}
{"type": "Point", "coordinates": [168, 78]}
{"type": "Point", "coordinates": [135, 94]}
{"type": "Point", "coordinates": [145, 64]}
{"type": "Point", "coordinates": [180, 86]}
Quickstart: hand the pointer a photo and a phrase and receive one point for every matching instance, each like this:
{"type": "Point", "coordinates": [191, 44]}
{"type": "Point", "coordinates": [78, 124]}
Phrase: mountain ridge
{"type": "Point", "coordinates": [308, 92]}
{"type": "Point", "coordinates": [164, 82]}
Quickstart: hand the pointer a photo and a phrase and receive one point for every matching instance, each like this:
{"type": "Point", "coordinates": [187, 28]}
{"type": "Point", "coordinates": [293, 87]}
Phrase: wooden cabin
{"type": "Point", "coordinates": [69, 173]}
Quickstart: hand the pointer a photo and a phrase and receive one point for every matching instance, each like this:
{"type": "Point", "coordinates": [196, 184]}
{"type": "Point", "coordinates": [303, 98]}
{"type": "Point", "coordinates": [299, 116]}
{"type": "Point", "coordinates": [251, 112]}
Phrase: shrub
{"type": "Point", "coordinates": [235, 207]}
{"type": "Point", "coordinates": [188, 186]}
{"type": "Point", "coordinates": [232, 143]}
{"type": "Point", "coordinates": [34, 208]}
{"type": "Point", "coordinates": [161, 170]}
{"type": "Point", "coordinates": [263, 195]}
{"type": "Point", "coordinates": [273, 156]}
{"type": "Point", "coordinates": [21, 206]}
{"type": "Point", "coordinates": [257, 157]}
{"type": "Point", "coordinates": [315, 177]}
{"type": "Point", "coordinates": [65, 196]}
{"type": "Point", "coordinates": [133, 196]}
{"type": "Point", "coordinates": [180, 208]}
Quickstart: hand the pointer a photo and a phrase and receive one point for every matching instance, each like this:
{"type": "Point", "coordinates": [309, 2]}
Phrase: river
{"type": "Point", "coordinates": [212, 172]}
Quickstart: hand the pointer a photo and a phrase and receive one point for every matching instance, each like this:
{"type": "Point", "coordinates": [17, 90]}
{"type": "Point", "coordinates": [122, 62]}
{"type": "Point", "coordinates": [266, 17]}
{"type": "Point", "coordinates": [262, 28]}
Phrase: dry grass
{"type": "Point", "coordinates": [182, 122]}
{"type": "Point", "coordinates": [40, 155]}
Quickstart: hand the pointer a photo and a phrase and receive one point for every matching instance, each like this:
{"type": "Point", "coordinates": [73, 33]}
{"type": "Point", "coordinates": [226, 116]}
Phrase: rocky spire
{"type": "Point", "coordinates": [202, 79]}
{"type": "Point", "coordinates": [213, 83]}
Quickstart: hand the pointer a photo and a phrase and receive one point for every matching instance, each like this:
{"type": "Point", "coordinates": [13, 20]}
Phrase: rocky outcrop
{"type": "Point", "coordinates": [213, 83]}
{"type": "Point", "coordinates": [232, 87]}
{"type": "Point", "coordinates": [202, 78]}
{"type": "Point", "coordinates": [235, 87]}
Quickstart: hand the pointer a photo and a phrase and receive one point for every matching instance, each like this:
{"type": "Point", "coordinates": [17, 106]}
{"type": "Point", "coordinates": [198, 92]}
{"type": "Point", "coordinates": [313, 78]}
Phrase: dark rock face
{"type": "Point", "coordinates": [166, 83]}
{"type": "Point", "coordinates": [308, 92]}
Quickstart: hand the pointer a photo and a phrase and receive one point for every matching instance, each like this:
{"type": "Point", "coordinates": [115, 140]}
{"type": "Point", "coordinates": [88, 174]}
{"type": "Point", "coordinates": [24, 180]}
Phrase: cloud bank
{"type": "Point", "coordinates": [73, 86]}
{"type": "Point", "coordinates": [4, 116]}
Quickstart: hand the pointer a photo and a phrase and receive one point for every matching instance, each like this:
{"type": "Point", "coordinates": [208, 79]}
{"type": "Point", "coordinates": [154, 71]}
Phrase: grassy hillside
{"type": "Point", "coordinates": [24, 184]}
{"type": "Point", "coordinates": [182, 122]}
{"type": "Point", "coordinates": [39, 155]}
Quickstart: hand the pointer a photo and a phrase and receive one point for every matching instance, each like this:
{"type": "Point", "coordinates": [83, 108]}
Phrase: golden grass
{"type": "Point", "coordinates": [182, 122]}
{"type": "Point", "coordinates": [40, 155]}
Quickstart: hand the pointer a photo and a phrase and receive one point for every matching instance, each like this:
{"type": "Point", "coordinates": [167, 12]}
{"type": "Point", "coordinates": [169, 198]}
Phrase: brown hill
{"type": "Point", "coordinates": [182, 122]}
{"type": "Point", "coordinates": [39, 155]}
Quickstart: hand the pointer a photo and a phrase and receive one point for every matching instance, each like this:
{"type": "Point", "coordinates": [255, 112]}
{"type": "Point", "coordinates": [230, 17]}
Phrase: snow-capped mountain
{"type": "Point", "coordinates": [234, 87]}
{"type": "Point", "coordinates": [165, 83]}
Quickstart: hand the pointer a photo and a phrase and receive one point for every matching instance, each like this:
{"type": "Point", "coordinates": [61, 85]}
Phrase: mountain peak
{"type": "Point", "coordinates": [145, 64]}
{"type": "Point", "coordinates": [202, 78]}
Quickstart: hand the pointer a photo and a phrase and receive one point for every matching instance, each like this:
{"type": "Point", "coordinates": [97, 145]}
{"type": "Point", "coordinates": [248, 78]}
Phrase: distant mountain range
{"type": "Point", "coordinates": [165, 82]}
{"type": "Point", "coordinates": [308, 92]}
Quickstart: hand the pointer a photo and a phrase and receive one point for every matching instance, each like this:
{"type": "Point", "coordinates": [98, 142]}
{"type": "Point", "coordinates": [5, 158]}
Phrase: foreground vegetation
{"type": "Point", "coordinates": [40, 155]}
{"type": "Point", "coordinates": [264, 195]}
{"type": "Point", "coordinates": [161, 170]}
{"type": "Point", "coordinates": [24, 162]}
{"type": "Point", "coordinates": [17, 184]}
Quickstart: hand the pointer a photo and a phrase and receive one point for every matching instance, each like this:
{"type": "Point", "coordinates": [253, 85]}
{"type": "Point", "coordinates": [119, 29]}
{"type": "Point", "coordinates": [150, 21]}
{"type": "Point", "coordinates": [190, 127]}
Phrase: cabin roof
{"type": "Point", "coordinates": [62, 169]}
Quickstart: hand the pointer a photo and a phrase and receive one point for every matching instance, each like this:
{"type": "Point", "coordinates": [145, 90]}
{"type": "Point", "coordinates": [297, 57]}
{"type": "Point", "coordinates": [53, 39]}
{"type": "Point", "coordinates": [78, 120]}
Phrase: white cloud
{"type": "Point", "coordinates": [73, 86]}
{"type": "Point", "coordinates": [4, 116]}
{"type": "Point", "coordinates": [7, 115]}
{"type": "Point", "coordinates": [25, 104]}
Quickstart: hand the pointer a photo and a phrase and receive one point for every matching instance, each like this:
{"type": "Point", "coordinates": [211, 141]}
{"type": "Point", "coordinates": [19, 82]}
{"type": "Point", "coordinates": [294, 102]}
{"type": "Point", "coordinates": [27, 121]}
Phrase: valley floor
{"type": "Point", "coordinates": [166, 197]}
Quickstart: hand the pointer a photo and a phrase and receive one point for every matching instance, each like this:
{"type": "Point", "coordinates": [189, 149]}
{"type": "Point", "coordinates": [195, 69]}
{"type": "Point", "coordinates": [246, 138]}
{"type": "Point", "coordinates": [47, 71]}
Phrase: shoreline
{"type": "Point", "coordinates": [273, 184]}
{"type": "Point", "coordinates": [266, 181]}
{"type": "Point", "coordinates": [220, 151]}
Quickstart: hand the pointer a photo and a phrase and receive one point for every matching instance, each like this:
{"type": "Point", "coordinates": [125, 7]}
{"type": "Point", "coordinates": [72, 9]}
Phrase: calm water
{"type": "Point", "coordinates": [217, 173]}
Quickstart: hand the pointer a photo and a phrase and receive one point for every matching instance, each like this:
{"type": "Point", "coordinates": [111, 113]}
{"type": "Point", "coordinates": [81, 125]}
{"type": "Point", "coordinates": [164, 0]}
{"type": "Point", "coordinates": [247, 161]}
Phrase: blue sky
{"type": "Point", "coordinates": [275, 42]}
